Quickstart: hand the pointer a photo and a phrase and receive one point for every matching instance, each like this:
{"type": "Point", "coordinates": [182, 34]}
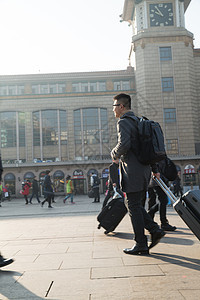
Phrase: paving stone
{"type": "Point", "coordinates": [60, 254]}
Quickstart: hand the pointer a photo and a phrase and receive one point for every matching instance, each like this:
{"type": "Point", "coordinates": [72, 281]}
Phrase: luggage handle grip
{"type": "Point", "coordinates": [165, 188]}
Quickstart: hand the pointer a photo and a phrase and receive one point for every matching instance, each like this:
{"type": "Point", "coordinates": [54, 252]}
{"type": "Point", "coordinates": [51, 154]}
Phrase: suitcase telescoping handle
{"type": "Point", "coordinates": [165, 188]}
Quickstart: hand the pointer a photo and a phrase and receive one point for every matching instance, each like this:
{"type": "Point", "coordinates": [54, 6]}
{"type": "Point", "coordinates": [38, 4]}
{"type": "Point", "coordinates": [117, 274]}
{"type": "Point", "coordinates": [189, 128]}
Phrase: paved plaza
{"type": "Point", "coordinates": [60, 254]}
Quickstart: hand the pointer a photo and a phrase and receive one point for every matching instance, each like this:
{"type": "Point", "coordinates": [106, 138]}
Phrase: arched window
{"type": "Point", "coordinates": [9, 182]}
{"type": "Point", "coordinates": [29, 175]}
{"type": "Point", "coordinates": [58, 177]}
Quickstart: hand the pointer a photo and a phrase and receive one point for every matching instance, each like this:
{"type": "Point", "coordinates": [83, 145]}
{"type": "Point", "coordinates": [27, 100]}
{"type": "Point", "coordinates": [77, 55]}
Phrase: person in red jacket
{"type": "Point", "coordinates": [26, 189]}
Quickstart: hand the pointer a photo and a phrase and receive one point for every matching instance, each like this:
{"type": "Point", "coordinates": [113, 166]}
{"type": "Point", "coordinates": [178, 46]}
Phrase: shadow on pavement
{"type": "Point", "coordinates": [121, 235]}
{"type": "Point", "coordinates": [169, 239]}
{"type": "Point", "coordinates": [186, 262]}
{"type": "Point", "coordinates": [12, 289]}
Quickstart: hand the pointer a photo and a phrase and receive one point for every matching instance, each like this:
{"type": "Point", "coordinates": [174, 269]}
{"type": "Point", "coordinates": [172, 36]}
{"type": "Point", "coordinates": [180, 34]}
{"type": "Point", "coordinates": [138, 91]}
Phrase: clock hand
{"type": "Point", "coordinates": [159, 11]}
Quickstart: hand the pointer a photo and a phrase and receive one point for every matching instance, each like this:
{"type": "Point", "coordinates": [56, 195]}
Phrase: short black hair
{"type": "Point", "coordinates": [124, 99]}
{"type": "Point", "coordinates": [47, 172]}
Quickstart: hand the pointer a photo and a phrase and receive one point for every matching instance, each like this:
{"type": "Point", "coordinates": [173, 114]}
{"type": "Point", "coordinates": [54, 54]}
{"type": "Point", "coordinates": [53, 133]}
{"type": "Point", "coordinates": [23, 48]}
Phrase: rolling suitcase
{"type": "Point", "coordinates": [112, 214]}
{"type": "Point", "coordinates": [188, 207]}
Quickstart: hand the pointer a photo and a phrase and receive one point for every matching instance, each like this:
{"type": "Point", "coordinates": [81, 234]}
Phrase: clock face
{"type": "Point", "coordinates": [161, 14]}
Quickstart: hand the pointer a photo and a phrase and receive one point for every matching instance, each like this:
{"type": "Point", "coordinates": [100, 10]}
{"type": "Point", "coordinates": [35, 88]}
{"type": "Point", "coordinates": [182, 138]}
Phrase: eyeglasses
{"type": "Point", "coordinates": [116, 104]}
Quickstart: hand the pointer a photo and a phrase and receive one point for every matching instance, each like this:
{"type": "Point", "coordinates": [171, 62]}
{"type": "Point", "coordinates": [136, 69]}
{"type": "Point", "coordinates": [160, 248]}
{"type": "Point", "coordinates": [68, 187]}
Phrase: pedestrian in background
{"type": "Point", "coordinates": [155, 190]}
{"type": "Point", "coordinates": [25, 190]}
{"type": "Point", "coordinates": [69, 189]}
{"type": "Point", "coordinates": [35, 190]}
{"type": "Point", "coordinates": [48, 190]}
{"type": "Point", "coordinates": [95, 182]}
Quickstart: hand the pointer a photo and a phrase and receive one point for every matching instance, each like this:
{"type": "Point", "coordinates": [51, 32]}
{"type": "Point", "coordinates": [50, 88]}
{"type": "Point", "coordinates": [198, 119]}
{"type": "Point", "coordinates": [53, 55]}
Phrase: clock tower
{"type": "Point", "coordinates": [164, 63]}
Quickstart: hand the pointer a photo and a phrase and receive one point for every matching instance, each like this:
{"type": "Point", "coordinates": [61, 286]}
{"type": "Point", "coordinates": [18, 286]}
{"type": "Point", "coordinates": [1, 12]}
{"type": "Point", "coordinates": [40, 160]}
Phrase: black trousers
{"type": "Point", "coordinates": [47, 199]}
{"type": "Point", "coordinates": [140, 219]}
{"type": "Point", "coordinates": [96, 194]}
{"type": "Point", "coordinates": [153, 207]}
{"type": "Point", "coordinates": [36, 195]}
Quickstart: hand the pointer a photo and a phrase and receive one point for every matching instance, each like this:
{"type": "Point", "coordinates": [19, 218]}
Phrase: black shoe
{"type": "Point", "coordinates": [26, 203]}
{"type": "Point", "coordinates": [4, 262]}
{"type": "Point", "coordinates": [155, 237]}
{"type": "Point", "coordinates": [137, 250]}
{"type": "Point", "coordinates": [42, 204]}
{"type": "Point", "coordinates": [94, 202]}
{"type": "Point", "coordinates": [39, 201]}
{"type": "Point", "coordinates": [168, 227]}
{"type": "Point", "coordinates": [31, 202]}
{"type": "Point", "coordinates": [50, 206]}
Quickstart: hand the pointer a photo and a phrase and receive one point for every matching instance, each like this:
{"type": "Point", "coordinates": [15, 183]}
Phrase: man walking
{"type": "Point", "coordinates": [35, 190]}
{"type": "Point", "coordinates": [134, 176]}
{"type": "Point", "coordinates": [95, 182]}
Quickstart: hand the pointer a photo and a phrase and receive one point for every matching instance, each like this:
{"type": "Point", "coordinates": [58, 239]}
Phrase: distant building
{"type": "Point", "coordinates": [62, 122]}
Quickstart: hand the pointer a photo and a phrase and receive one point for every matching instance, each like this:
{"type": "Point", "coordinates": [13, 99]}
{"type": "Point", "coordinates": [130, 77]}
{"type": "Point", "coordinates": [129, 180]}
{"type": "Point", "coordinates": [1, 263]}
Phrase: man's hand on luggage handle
{"type": "Point", "coordinates": [157, 175]}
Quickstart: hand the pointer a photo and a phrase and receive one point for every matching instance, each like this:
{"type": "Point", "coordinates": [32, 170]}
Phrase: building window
{"type": "Point", "coordinates": [12, 90]}
{"type": "Point", "coordinates": [84, 86]}
{"type": "Point", "coordinates": [35, 89]}
{"type": "Point", "coordinates": [3, 90]}
{"type": "Point", "coordinates": [92, 124]}
{"type": "Point", "coordinates": [21, 120]}
{"type": "Point", "coordinates": [49, 127]}
{"type": "Point", "coordinates": [44, 89]}
{"type": "Point", "coordinates": [167, 84]}
{"type": "Point", "coordinates": [61, 88]}
{"type": "Point", "coordinates": [75, 87]}
{"type": "Point", "coordinates": [117, 86]}
{"type": "Point", "coordinates": [165, 53]}
{"type": "Point", "coordinates": [20, 89]}
{"type": "Point", "coordinates": [93, 86]}
{"type": "Point", "coordinates": [52, 89]}
{"type": "Point", "coordinates": [170, 115]}
{"type": "Point", "coordinates": [125, 85]}
{"type": "Point", "coordinates": [102, 86]}
{"type": "Point", "coordinates": [53, 122]}
{"type": "Point", "coordinates": [8, 129]}
{"type": "Point", "coordinates": [172, 146]}
{"type": "Point", "coordinates": [36, 128]}
{"type": "Point", "coordinates": [122, 85]}
{"type": "Point", "coordinates": [63, 127]}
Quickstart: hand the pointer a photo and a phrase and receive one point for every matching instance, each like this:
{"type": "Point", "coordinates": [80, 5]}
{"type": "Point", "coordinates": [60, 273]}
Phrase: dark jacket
{"type": "Point", "coordinates": [35, 187]}
{"type": "Point", "coordinates": [135, 176]}
{"type": "Point", "coordinates": [47, 184]}
{"type": "Point", "coordinates": [160, 167]}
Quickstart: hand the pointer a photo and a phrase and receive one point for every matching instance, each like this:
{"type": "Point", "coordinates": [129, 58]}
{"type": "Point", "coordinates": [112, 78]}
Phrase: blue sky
{"type": "Point", "coordinates": [69, 36]}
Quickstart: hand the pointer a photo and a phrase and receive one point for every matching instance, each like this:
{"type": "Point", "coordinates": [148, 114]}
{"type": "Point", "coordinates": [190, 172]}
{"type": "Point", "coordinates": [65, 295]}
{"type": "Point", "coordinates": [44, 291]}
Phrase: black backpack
{"type": "Point", "coordinates": [151, 147]}
{"type": "Point", "coordinates": [169, 169]}
{"type": "Point", "coordinates": [96, 180]}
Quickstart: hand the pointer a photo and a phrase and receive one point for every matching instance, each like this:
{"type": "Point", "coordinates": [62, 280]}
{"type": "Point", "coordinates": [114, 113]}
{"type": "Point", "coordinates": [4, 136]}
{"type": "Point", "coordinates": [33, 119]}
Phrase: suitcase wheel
{"type": "Point", "coordinates": [106, 232]}
{"type": "Point", "coordinates": [99, 226]}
